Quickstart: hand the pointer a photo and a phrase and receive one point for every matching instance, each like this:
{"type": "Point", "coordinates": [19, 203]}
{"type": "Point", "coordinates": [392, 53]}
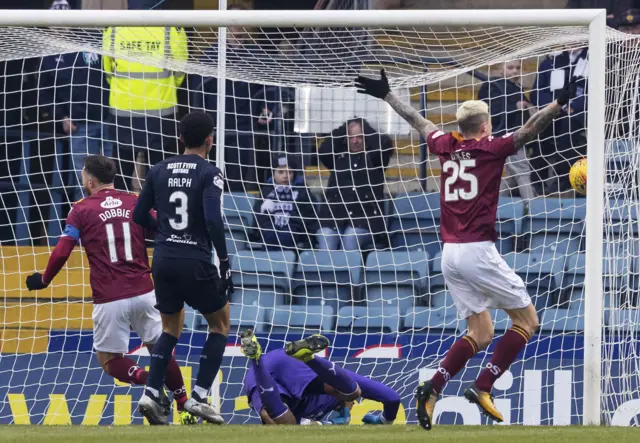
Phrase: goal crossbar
{"type": "Point", "coordinates": [445, 17]}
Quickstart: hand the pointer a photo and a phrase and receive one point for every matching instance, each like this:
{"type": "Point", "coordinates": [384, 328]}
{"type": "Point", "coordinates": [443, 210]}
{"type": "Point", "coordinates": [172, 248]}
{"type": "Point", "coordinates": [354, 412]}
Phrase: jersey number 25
{"type": "Point", "coordinates": [458, 173]}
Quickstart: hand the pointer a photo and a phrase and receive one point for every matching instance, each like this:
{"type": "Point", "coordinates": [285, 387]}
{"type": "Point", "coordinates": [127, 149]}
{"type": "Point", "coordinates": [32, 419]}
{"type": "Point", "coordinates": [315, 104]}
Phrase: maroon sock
{"type": "Point", "coordinates": [173, 380]}
{"type": "Point", "coordinates": [507, 349]}
{"type": "Point", "coordinates": [126, 370]}
{"type": "Point", "coordinates": [454, 361]}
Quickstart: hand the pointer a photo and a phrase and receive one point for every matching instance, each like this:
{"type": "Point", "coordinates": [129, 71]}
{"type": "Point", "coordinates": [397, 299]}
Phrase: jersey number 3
{"type": "Point", "coordinates": [458, 173]}
{"type": "Point", "coordinates": [181, 220]}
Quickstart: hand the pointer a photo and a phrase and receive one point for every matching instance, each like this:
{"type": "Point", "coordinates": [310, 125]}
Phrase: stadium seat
{"type": "Point", "coordinates": [556, 215]}
{"type": "Point", "coordinates": [509, 219]}
{"type": "Point", "coordinates": [368, 319]}
{"type": "Point", "coordinates": [265, 270]}
{"type": "Point", "coordinates": [396, 278]}
{"type": "Point", "coordinates": [426, 319]}
{"type": "Point", "coordinates": [625, 319]}
{"type": "Point", "coordinates": [312, 319]}
{"type": "Point", "coordinates": [561, 320]}
{"type": "Point", "coordinates": [538, 274]}
{"type": "Point", "coordinates": [415, 222]}
{"type": "Point", "coordinates": [326, 277]}
{"type": "Point", "coordinates": [257, 297]}
{"type": "Point", "coordinates": [238, 212]}
{"type": "Point", "coordinates": [500, 319]}
{"type": "Point", "coordinates": [436, 279]}
{"type": "Point", "coordinates": [243, 316]}
{"type": "Point", "coordinates": [621, 216]}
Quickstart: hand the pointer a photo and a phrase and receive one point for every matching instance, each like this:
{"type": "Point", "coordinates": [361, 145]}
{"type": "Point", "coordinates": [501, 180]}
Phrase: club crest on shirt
{"type": "Point", "coordinates": [111, 202]}
{"type": "Point", "coordinates": [90, 58]}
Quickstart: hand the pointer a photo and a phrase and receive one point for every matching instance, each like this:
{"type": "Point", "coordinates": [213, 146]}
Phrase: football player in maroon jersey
{"type": "Point", "coordinates": [476, 275]}
{"type": "Point", "coordinates": [120, 277]}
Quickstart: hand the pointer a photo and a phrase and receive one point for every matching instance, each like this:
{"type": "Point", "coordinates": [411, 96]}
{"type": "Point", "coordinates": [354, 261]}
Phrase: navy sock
{"type": "Point", "coordinates": [333, 375]}
{"type": "Point", "coordinates": [268, 391]}
{"type": "Point", "coordinates": [160, 356]}
{"type": "Point", "coordinates": [210, 361]}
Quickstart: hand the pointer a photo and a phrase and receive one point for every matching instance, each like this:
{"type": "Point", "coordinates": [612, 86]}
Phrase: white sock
{"type": "Point", "coordinates": [202, 392]}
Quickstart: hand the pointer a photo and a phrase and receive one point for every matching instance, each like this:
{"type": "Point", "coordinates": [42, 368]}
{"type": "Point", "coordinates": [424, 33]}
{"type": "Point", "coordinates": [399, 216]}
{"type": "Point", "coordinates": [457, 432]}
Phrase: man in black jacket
{"type": "Point", "coordinates": [357, 157]}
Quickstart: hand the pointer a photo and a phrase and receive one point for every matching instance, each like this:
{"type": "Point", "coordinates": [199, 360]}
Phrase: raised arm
{"type": "Point", "coordinates": [379, 88]}
{"type": "Point", "coordinates": [544, 117]}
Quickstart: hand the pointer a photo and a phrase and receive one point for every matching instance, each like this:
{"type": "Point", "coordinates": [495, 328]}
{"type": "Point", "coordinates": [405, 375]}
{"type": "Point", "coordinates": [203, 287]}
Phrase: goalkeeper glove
{"type": "Point", "coordinates": [226, 283]}
{"type": "Point", "coordinates": [343, 418]}
{"type": "Point", "coordinates": [567, 92]}
{"type": "Point", "coordinates": [34, 282]}
{"type": "Point", "coordinates": [374, 418]}
{"type": "Point", "coordinates": [375, 87]}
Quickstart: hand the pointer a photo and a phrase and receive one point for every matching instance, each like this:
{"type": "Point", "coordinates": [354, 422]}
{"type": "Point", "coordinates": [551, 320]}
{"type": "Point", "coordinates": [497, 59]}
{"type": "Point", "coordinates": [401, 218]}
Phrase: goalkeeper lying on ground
{"type": "Point", "coordinates": [291, 386]}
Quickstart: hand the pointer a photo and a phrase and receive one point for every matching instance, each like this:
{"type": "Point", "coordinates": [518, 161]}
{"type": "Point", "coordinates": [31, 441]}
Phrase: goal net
{"type": "Point", "coordinates": [332, 212]}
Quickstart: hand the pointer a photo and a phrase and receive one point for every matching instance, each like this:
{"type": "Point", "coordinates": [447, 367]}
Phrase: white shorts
{"type": "Point", "coordinates": [114, 321]}
{"type": "Point", "coordinates": [478, 278]}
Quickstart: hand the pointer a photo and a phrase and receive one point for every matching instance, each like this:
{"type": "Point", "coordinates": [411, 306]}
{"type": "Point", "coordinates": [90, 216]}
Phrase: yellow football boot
{"type": "Point", "coordinates": [249, 345]}
{"type": "Point", "coordinates": [426, 399]}
{"type": "Point", "coordinates": [304, 349]}
{"type": "Point", "coordinates": [485, 401]}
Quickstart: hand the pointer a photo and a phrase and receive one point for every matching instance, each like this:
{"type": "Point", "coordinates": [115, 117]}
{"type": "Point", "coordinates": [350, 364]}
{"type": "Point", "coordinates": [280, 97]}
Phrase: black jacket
{"type": "Point", "coordinates": [355, 191]}
{"type": "Point", "coordinates": [502, 96]}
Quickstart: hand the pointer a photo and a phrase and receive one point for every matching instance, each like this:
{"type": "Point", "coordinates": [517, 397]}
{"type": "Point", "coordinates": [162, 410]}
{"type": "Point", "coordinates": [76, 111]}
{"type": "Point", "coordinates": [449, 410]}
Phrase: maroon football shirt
{"type": "Point", "coordinates": [114, 244]}
{"type": "Point", "coordinates": [469, 184]}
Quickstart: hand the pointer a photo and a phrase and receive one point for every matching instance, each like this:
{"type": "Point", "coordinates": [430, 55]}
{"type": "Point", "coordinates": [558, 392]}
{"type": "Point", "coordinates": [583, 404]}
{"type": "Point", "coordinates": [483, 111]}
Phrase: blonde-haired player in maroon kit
{"type": "Point", "coordinates": [120, 277]}
{"type": "Point", "coordinates": [476, 275]}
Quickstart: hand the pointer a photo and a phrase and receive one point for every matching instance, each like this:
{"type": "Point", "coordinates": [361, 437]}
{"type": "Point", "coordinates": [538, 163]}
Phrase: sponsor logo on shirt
{"type": "Point", "coordinates": [111, 202]}
{"type": "Point", "coordinates": [184, 239]}
{"type": "Point", "coordinates": [218, 182]}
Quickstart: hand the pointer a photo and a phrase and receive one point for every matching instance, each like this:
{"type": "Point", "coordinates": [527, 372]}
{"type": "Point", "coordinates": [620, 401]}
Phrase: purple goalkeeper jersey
{"type": "Point", "coordinates": [292, 377]}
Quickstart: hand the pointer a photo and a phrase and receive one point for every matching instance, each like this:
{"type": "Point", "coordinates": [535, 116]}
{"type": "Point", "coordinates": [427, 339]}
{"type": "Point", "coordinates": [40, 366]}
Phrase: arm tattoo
{"type": "Point", "coordinates": [411, 115]}
{"type": "Point", "coordinates": [536, 124]}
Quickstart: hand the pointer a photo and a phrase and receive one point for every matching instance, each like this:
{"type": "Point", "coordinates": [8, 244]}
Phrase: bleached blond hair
{"type": "Point", "coordinates": [470, 116]}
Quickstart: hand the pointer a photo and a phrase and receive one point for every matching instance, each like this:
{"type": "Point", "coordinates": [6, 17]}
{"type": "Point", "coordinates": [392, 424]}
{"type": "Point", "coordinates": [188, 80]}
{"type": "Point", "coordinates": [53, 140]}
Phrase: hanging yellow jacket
{"type": "Point", "coordinates": [136, 88]}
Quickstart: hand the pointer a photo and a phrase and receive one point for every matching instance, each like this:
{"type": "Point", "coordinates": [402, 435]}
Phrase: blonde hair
{"type": "Point", "coordinates": [470, 115]}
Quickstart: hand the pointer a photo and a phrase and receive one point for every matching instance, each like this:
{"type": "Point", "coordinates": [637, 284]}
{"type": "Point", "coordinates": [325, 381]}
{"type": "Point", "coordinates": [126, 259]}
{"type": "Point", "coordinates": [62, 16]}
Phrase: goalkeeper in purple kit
{"type": "Point", "coordinates": [292, 386]}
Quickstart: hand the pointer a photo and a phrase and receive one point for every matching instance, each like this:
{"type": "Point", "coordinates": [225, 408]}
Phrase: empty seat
{"type": "Point", "coordinates": [625, 319]}
{"type": "Point", "coordinates": [538, 274]}
{"type": "Point", "coordinates": [326, 277]}
{"type": "Point", "coordinates": [556, 215]}
{"type": "Point", "coordinates": [303, 320]}
{"type": "Point", "coordinates": [243, 317]}
{"type": "Point", "coordinates": [621, 216]}
{"type": "Point", "coordinates": [436, 279]}
{"type": "Point", "coordinates": [562, 320]}
{"type": "Point", "coordinates": [415, 222]}
{"type": "Point", "coordinates": [257, 297]}
{"type": "Point", "coordinates": [500, 319]}
{"type": "Point", "coordinates": [238, 212]}
{"type": "Point", "coordinates": [266, 270]}
{"type": "Point", "coordinates": [423, 318]}
{"type": "Point", "coordinates": [396, 278]}
{"type": "Point", "coordinates": [509, 219]}
{"type": "Point", "coordinates": [441, 314]}
{"type": "Point", "coordinates": [368, 319]}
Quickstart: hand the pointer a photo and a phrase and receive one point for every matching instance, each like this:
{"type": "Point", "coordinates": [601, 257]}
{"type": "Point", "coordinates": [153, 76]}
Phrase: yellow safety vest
{"type": "Point", "coordinates": [139, 89]}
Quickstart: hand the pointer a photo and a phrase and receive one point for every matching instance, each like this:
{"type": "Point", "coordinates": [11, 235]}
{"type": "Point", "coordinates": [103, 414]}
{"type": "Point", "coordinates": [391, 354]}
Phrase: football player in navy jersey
{"type": "Point", "coordinates": [186, 193]}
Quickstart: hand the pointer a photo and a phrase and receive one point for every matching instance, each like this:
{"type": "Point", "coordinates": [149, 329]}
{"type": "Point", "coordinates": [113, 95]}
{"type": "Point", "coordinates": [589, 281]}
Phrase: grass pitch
{"type": "Point", "coordinates": [324, 434]}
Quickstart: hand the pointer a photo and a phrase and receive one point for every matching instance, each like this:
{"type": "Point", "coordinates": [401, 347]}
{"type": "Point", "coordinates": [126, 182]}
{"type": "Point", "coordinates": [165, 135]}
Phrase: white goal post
{"type": "Point", "coordinates": [566, 28]}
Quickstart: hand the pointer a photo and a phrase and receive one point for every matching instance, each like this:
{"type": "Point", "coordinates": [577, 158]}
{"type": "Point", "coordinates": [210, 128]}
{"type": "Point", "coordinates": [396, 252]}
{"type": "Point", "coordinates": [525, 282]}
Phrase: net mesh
{"type": "Point", "coordinates": [349, 247]}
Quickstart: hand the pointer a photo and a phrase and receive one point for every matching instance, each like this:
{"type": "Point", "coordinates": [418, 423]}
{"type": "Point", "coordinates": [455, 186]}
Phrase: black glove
{"type": "Point", "coordinates": [34, 282]}
{"type": "Point", "coordinates": [226, 283]}
{"type": "Point", "coordinates": [567, 93]}
{"type": "Point", "coordinates": [376, 87]}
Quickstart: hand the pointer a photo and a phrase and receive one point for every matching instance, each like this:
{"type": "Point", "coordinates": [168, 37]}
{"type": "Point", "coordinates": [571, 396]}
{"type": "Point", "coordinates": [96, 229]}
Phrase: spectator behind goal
{"type": "Point", "coordinates": [357, 157]}
{"type": "Point", "coordinates": [75, 87]}
{"type": "Point", "coordinates": [143, 98]}
{"type": "Point", "coordinates": [285, 215]}
{"type": "Point", "coordinates": [510, 109]}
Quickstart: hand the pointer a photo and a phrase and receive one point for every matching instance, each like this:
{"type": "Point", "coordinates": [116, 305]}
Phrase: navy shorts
{"type": "Point", "coordinates": [194, 282]}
